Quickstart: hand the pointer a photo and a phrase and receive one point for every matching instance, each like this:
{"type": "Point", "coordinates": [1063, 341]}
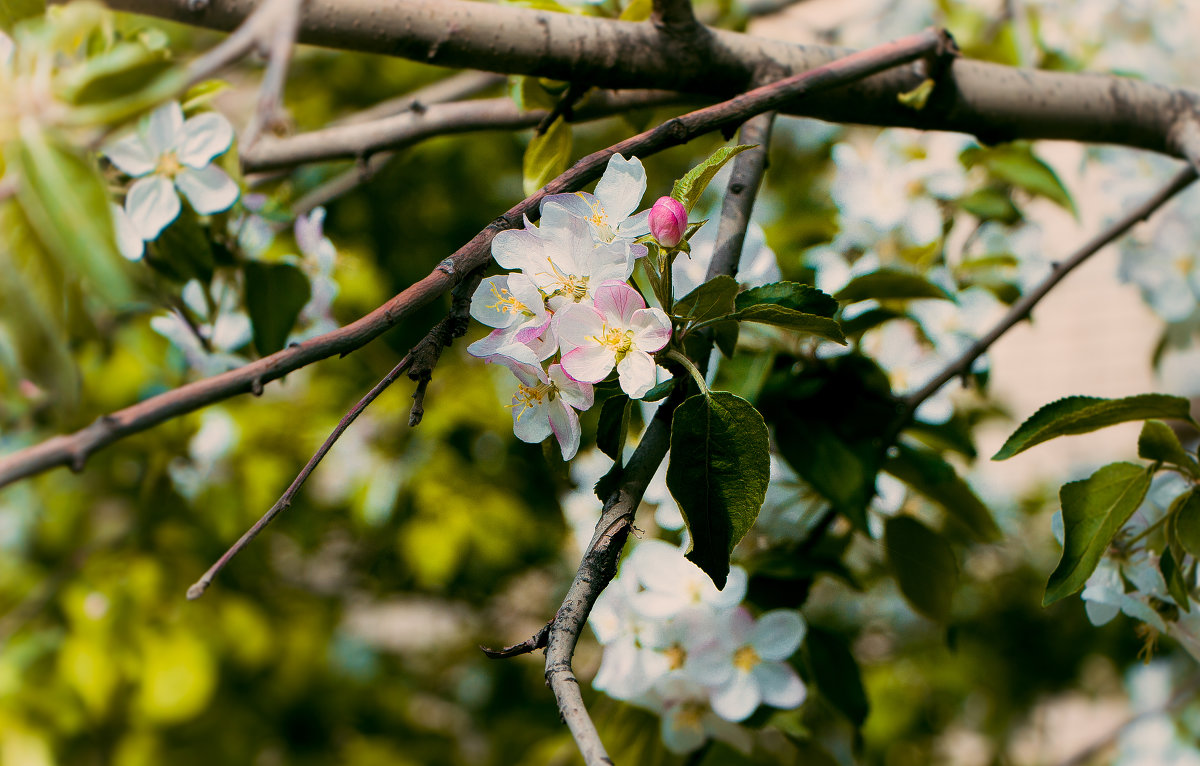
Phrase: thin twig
{"type": "Point", "coordinates": [269, 115]}
{"type": "Point", "coordinates": [73, 449]}
{"type": "Point", "coordinates": [533, 643]}
{"type": "Point", "coordinates": [453, 88]}
{"type": "Point", "coordinates": [1021, 309]}
{"type": "Point", "coordinates": [255, 31]}
{"type": "Point", "coordinates": [563, 107]}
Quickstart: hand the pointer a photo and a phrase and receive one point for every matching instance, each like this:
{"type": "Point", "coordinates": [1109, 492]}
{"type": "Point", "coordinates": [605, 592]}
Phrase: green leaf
{"type": "Point", "coordinates": [918, 97]}
{"type": "Point", "coordinates": [1158, 442]}
{"type": "Point", "coordinates": [712, 300]}
{"type": "Point", "coordinates": [1017, 165]}
{"type": "Point", "coordinates": [1174, 579]}
{"type": "Point", "coordinates": [68, 209]}
{"type": "Point", "coordinates": [871, 318]}
{"type": "Point", "coordinates": [547, 156]}
{"type": "Point", "coordinates": [275, 294]}
{"type": "Point", "coordinates": [12, 11]}
{"type": "Point", "coordinates": [926, 472]}
{"type": "Point", "coordinates": [202, 93]}
{"type": "Point", "coordinates": [769, 313]}
{"type": "Point", "coordinates": [1082, 414]}
{"type": "Point", "coordinates": [725, 335]}
{"type": "Point", "coordinates": [791, 295]}
{"type": "Point", "coordinates": [638, 10]}
{"type": "Point", "coordinates": [528, 94]}
{"type": "Point", "coordinates": [613, 427]}
{"type": "Point", "coordinates": [991, 205]}
{"type": "Point", "coordinates": [835, 673]}
{"type": "Point", "coordinates": [660, 391]}
{"type": "Point", "coordinates": [1187, 521]}
{"type": "Point", "coordinates": [689, 188]}
{"type": "Point", "coordinates": [122, 70]}
{"type": "Point", "coordinates": [894, 284]}
{"type": "Point", "coordinates": [183, 250]}
{"type": "Point", "coordinates": [1094, 510]}
{"type": "Point", "coordinates": [718, 474]}
{"type": "Point", "coordinates": [924, 565]}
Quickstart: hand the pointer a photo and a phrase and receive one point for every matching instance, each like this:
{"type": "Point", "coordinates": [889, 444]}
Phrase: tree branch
{"type": "Point", "coordinates": [743, 185]}
{"type": "Point", "coordinates": [72, 450]}
{"type": "Point", "coordinates": [674, 14]}
{"type": "Point", "coordinates": [269, 114]}
{"type": "Point", "coordinates": [991, 101]}
{"type": "Point", "coordinates": [361, 139]}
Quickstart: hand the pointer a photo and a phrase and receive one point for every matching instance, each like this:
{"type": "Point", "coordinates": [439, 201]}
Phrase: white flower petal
{"type": "Point", "coordinates": [651, 329]}
{"type": "Point", "coordinates": [589, 364]}
{"type": "Point", "coordinates": [565, 425]}
{"type": "Point", "coordinates": [636, 373]}
{"type": "Point", "coordinates": [530, 423]}
{"type": "Point", "coordinates": [208, 189]}
{"type": "Point", "coordinates": [578, 395]}
{"type": "Point", "coordinates": [577, 325]}
{"type": "Point", "coordinates": [517, 249]}
{"type": "Point", "coordinates": [621, 188]}
{"type": "Point", "coordinates": [202, 138]}
{"type": "Point", "coordinates": [635, 226]}
{"type": "Point", "coordinates": [778, 634]}
{"type": "Point", "coordinates": [309, 230]}
{"type": "Point", "coordinates": [128, 240]}
{"type": "Point", "coordinates": [618, 301]}
{"type": "Point", "coordinates": [682, 729]}
{"type": "Point", "coordinates": [779, 684]}
{"type": "Point", "coordinates": [131, 156]}
{"type": "Point", "coordinates": [493, 305]}
{"type": "Point", "coordinates": [733, 592]}
{"type": "Point", "coordinates": [711, 667]}
{"type": "Point", "coordinates": [151, 204]}
{"type": "Point", "coordinates": [162, 128]}
{"type": "Point", "coordinates": [737, 699]}
{"type": "Point", "coordinates": [498, 345]}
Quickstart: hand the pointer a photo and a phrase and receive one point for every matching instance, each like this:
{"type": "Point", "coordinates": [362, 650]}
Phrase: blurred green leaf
{"type": "Point", "coordinates": [1094, 510]}
{"type": "Point", "coordinates": [991, 205]}
{"type": "Point", "coordinates": [835, 672]}
{"type": "Point", "coordinates": [613, 427]}
{"type": "Point", "coordinates": [12, 11]}
{"type": "Point", "coordinates": [275, 294]}
{"type": "Point", "coordinates": [183, 250]}
{"type": "Point", "coordinates": [120, 71]}
{"type": "Point", "coordinates": [637, 10]}
{"type": "Point", "coordinates": [718, 473]}
{"type": "Point", "coordinates": [894, 284]}
{"type": "Point", "coordinates": [547, 156]}
{"type": "Point", "coordinates": [926, 472]}
{"type": "Point", "coordinates": [924, 565]}
{"type": "Point", "coordinates": [1158, 442]}
{"type": "Point", "coordinates": [1082, 414]}
{"type": "Point", "coordinates": [1186, 526]}
{"type": "Point", "coordinates": [1172, 575]}
{"type": "Point", "coordinates": [1017, 165]}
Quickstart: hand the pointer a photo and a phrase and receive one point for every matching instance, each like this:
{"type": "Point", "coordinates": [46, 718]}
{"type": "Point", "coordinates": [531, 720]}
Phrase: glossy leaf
{"type": "Point", "coordinates": [547, 156]}
{"type": "Point", "coordinates": [689, 188]}
{"type": "Point", "coordinates": [659, 391]}
{"type": "Point", "coordinates": [924, 565]}
{"type": "Point", "coordinates": [1094, 510]}
{"type": "Point", "coordinates": [718, 474]}
{"type": "Point", "coordinates": [712, 300]}
{"type": "Point", "coordinates": [1158, 442]}
{"type": "Point", "coordinates": [991, 205]}
{"type": "Point", "coordinates": [613, 427]}
{"type": "Point", "coordinates": [894, 284]}
{"type": "Point", "coordinates": [1082, 414]}
{"type": "Point", "coordinates": [792, 295]}
{"type": "Point", "coordinates": [769, 313]}
{"type": "Point", "coordinates": [926, 472]}
{"type": "Point", "coordinates": [275, 294]}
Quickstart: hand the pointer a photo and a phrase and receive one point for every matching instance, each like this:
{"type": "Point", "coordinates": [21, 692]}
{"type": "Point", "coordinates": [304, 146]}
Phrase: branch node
{"type": "Point", "coordinates": [78, 460]}
{"type": "Point", "coordinates": [447, 266]}
{"type": "Point", "coordinates": [533, 643]}
{"type": "Point", "coordinates": [256, 386]}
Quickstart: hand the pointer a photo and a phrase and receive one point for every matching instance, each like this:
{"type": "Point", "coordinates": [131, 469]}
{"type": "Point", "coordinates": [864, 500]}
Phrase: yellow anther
{"type": "Point", "coordinates": [506, 303]}
{"type": "Point", "coordinates": [676, 656]}
{"type": "Point", "coordinates": [745, 658]}
{"type": "Point", "coordinates": [527, 397]}
{"type": "Point", "coordinates": [169, 165]}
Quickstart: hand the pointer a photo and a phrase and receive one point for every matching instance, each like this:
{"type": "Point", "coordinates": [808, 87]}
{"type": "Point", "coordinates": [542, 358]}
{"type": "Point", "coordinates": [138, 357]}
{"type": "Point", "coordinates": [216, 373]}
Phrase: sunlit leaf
{"type": "Point", "coordinates": [547, 156]}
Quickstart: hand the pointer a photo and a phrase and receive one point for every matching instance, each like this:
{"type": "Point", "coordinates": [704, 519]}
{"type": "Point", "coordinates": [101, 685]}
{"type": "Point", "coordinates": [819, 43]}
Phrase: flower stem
{"type": "Point", "coordinates": [690, 367]}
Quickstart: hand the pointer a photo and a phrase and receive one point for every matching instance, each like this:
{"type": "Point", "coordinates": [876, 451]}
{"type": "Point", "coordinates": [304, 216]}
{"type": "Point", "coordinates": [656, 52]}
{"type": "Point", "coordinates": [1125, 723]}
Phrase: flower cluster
{"type": "Point", "coordinates": [676, 645]}
{"type": "Point", "coordinates": [567, 303]}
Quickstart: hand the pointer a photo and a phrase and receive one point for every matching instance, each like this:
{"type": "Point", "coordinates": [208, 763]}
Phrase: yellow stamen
{"type": "Point", "coordinates": [527, 397]}
{"type": "Point", "coordinates": [676, 656]}
{"type": "Point", "coordinates": [573, 286]}
{"type": "Point", "coordinates": [169, 165]}
{"type": "Point", "coordinates": [599, 220]}
{"type": "Point", "coordinates": [507, 304]}
{"type": "Point", "coordinates": [745, 658]}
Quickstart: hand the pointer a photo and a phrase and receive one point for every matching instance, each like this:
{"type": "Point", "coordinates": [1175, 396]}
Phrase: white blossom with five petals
{"type": "Point", "coordinates": [167, 154]}
{"type": "Point", "coordinates": [545, 403]}
{"type": "Point", "coordinates": [609, 212]}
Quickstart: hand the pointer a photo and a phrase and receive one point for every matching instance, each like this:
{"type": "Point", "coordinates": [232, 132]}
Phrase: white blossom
{"type": "Point", "coordinates": [609, 212]}
{"type": "Point", "coordinates": [545, 403]}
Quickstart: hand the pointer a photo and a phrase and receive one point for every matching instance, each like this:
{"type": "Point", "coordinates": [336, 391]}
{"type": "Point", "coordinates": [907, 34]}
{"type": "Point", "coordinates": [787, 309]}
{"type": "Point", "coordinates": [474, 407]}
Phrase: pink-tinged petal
{"type": "Point", "coordinates": [209, 189]}
{"type": "Point", "coordinates": [779, 684]}
{"type": "Point", "coordinates": [589, 364]}
{"type": "Point", "coordinates": [517, 249]}
{"type": "Point", "coordinates": [202, 138]}
{"type": "Point", "coordinates": [736, 700]}
{"type": "Point", "coordinates": [778, 634]}
{"type": "Point", "coordinates": [532, 331]}
{"type": "Point", "coordinates": [162, 128]}
{"type": "Point", "coordinates": [151, 204]}
{"type": "Point", "coordinates": [131, 156]}
{"type": "Point", "coordinates": [530, 375]}
{"type": "Point", "coordinates": [531, 424]}
{"type": "Point", "coordinates": [621, 188]}
{"type": "Point", "coordinates": [617, 303]}
{"type": "Point", "coordinates": [498, 346]}
{"type": "Point", "coordinates": [578, 325]}
{"type": "Point", "coordinates": [636, 372]}
{"type": "Point", "coordinates": [565, 425]}
{"type": "Point", "coordinates": [635, 226]}
{"type": "Point", "coordinates": [581, 396]}
{"type": "Point", "coordinates": [488, 304]}
{"type": "Point", "coordinates": [309, 228]}
{"type": "Point", "coordinates": [651, 329]}
{"type": "Point", "coordinates": [741, 625]}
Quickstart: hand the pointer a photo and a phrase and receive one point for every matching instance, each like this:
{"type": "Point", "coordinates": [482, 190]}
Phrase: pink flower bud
{"type": "Point", "coordinates": [668, 221]}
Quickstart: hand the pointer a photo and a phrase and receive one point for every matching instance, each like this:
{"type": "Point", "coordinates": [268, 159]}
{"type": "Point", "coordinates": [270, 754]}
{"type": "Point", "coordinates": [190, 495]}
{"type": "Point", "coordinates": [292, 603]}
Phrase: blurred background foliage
{"type": "Point", "coordinates": [348, 632]}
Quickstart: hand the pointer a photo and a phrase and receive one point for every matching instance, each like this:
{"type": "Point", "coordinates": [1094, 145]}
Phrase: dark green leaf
{"type": "Point", "coordinates": [613, 427]}
{"type": "Point", "coordinates": [275, 294]}
{"type": "Point", "coordinates": [1158, 442]}
{"type": "Point", "coordinates": [689, 188]}
{"type": "Point", "coordinates": [888, 284]}
{"type": "Point", "coordinates": [991, 205]}
{"type": "Point", "coordinates": [547, 156]}
{"type": "Point", "coordinates": [1187, 521]}
{"type": "Point", "coordinates": [183, 250]}
{"type": "Point", "coordinates": [67, 207]}
{"type": "Point", "coordinates": [725, 335]}
{"type": "Point", "coordinates": [792, 295]}
{"type": "Point", "coordinates": [1016, 164]}
{"type": "Point", "coordinates": [659, 391]}
{"type": "Point", "coordinates": [1174, 579]}
{"type": "Point", "coordinates": [711, 300]}
{"type": "Point", "coordinates": [769, 313]}
{"type": "Point", "coordinates": [926, 471]}
{"type": "Point", "coordinates": [869, 319]}
{"type": "Point", "coordinates": [924, 566]}
{"type": "Point", "coordinates": [718, 474]}
{"type": "Point", "coordinates": [835, 674]}
{"type": "Point", "coordinates": [1094, 510]}
{"type": "Point", "coordinates": [1081, 414]}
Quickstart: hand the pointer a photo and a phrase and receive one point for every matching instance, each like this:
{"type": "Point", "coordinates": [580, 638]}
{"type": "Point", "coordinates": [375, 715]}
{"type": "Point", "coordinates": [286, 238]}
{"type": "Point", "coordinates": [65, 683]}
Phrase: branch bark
{"type": "Point", "coordinates": [991, 101]}
{"type": "Point", "coordinates": [73, 449]}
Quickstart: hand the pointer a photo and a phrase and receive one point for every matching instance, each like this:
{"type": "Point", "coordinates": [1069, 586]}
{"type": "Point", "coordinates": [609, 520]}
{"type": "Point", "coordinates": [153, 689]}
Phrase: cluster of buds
{"type": "Point", "coordinates": [566, 316]}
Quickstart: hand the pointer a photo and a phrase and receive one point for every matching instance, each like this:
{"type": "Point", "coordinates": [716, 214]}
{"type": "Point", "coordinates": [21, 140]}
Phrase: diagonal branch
{"type": "Point", "coordinates": [992, 101]}
{"type": "Point", "coordinates": [748, 168]}
{"type": "Point", "coordinates": [73, 449]}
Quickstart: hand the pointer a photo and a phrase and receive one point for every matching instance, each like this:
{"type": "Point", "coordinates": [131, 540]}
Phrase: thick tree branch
{"type": "Point", "coordinates": [72, 450]}
{"type": "Point", "coordinates": [991, 101]}
{"type": "Point", "coordinates": [359, 140]}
